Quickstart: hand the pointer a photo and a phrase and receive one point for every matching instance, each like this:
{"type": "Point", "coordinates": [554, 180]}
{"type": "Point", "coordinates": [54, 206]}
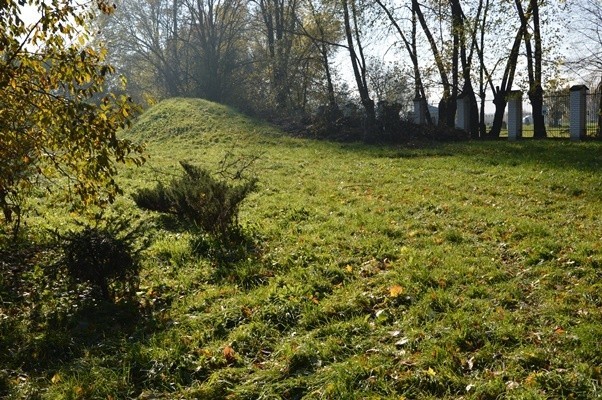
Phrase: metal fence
{"type": "Point", "coordinates": [593, 116]}
{"type": "Point", "coordinates": [557, 113]}
{"type": "Point", "coordinates": [557, 116]}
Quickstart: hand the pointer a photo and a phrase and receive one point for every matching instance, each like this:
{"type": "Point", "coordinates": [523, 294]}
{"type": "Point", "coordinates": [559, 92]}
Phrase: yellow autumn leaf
{"type": "Point", "coordinates": [531, 379]}
{"type": "Point", "coordinates": [56, 379]}
{"type": "Point", "coordinates": [349, 268]}
{"type": "Point", "coordinates": [395, 290]}
{"type": "Point", "coordinates": [431, 372]}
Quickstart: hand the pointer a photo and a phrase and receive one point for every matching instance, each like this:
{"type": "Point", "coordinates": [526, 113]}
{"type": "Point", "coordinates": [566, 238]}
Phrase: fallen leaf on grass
{"type": "Point", "coordinates": [229, 355]}
{"type": "Point", "coordinates": [395, 290]}
{"type": "Point", "coordinates": [247, 312]}
{"type": "Point", "coordinates": [531, 379]}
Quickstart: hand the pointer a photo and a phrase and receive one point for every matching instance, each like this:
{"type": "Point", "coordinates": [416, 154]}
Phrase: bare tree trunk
{"type": "Point", "coordinates": [536, 95]}
{"type": "Point", "coordinates": [482, 94]}
{"type": "Point", "coordinates": [461, 27]}
{"type": "Point", "coordinates": [359, 72]}
{"type": "Point", "coordinates": [500, 101]}
{"type": "Point", "coordinates": [279, 19]}
{"type": "Point", "coordinates": [332, 101]}
{"type": "Point", "coordinates": [500, 93]}
{"type": "Point", "coordinates": [419, 92]}
{"type": "Point", "coordinates": [534, 67]}
{"type": "Point", "coordinates": [321, 44]}
{"type": "Point", "coordinates": [447, 105]}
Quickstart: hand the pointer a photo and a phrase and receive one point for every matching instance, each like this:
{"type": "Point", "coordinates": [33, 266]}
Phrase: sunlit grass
{"type": "Point", "coordinates": [422, 271]}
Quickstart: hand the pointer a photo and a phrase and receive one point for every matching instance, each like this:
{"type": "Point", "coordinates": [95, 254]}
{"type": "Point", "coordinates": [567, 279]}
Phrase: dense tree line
{"type": "Point", "coordinates": [308, 57]}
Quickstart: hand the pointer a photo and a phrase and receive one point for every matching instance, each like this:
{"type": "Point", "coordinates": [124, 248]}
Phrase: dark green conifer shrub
{"type": "Point", "coordinates": [197, 198]}
{"type": "Point", "coordinates": [104, 257]}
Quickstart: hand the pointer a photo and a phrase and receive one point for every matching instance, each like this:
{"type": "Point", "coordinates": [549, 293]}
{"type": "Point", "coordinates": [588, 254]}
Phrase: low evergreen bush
{"type": "Point", "coordinates": [104, 257]}
{"type": "Point", "coordinates": [198, 199]}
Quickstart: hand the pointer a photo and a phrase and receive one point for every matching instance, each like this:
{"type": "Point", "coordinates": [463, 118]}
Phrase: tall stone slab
{"type": "Point", "coordinates": [419, 111]}
{"type": "Point", "coordinates": [578, 113]}
{"type": "Point", "coordinates": [515, 115]}
{"type": "Point", "coordinates": [463, 114]}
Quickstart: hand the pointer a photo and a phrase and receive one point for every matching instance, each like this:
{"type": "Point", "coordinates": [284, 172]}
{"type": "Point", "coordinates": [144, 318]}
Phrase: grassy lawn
{"type": "Point", "coordinates": [427, 271]}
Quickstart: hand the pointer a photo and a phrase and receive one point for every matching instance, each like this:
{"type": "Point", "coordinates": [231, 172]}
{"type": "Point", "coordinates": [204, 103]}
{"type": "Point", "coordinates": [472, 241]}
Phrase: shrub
{"type": "Point", "coordinates": [104, 257]}
{"type": "Point", "coordinates": [199, 199]}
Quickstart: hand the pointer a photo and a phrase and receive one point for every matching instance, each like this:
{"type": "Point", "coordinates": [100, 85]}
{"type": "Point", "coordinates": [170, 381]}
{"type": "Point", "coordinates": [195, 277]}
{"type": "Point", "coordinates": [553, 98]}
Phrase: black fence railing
{"type": "Point", "coordinates": [593, 116]}
{"type": "Point", "coordinates": [557, 115]}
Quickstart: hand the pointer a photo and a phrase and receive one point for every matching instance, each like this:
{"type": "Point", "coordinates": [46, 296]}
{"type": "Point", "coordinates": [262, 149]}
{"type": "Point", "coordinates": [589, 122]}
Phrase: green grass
{"type": "Point", "coordinates": [427, 271]}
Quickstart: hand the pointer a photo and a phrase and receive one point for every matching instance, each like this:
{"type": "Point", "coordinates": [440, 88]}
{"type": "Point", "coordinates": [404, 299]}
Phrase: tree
{"type": "Point", "coordinates": [501, 92]}
{"type": "Point", "coordinates": [448, 103]}
{"type": "Point", "coordinates": [480, 43]}
{"type": "Point", "coordinates": [411, 47]}
{"type": "Point", "coordinates": [587, 40]}
{"type": "Point", "coordinates": [53, 122]}
{"type": "Point", "coordinates": [278, 25]}
{"type": "Point", "coordinates": [217, 29]}
{"type": "Point", "coordinates": [323, 29]}
{"type": "Point", "coordinates": [533, 46]}
{"type": "Point", "coordinates": [146, 45]}
{"type": "Point", "coordinates": [466, 35]}
{"type": "Point", "coordinates": [358, 62]}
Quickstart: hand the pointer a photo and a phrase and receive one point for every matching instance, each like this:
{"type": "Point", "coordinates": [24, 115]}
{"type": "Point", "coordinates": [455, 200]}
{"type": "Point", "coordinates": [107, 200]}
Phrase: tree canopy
{"type": "Point", "coordinates": [300, 58]}
{"type": "Point", "coordinates": [58, 118]}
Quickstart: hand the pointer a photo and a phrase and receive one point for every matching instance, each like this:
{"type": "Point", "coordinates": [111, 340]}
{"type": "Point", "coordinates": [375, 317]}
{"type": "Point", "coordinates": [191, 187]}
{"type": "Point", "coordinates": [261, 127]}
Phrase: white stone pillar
{"type": "Point", "coordinates": [515, 115]}
{"type": "Point", "coordinates": [463, 114]}
{"type": "Point", "coordinates": [419, 111]}
{"type": "Point", "coordinates": [578, 112]}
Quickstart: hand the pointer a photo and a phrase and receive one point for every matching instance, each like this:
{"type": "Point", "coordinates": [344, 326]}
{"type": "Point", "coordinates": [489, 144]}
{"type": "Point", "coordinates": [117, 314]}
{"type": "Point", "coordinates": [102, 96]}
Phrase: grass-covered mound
{"type": "Point", "coordinates": [467, 270]}
{"type": "Point", "coordinates": [192, 119]}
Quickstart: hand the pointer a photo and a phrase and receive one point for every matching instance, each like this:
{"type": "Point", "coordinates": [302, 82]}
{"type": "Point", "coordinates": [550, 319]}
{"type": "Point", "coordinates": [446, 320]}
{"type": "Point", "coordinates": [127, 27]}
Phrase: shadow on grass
{"type": "Point", "coordinates": [551, 153]}
{"type": "Point", "coordinates": [47, 326]}
{"type": "Point", "coordinates": [236, 257]}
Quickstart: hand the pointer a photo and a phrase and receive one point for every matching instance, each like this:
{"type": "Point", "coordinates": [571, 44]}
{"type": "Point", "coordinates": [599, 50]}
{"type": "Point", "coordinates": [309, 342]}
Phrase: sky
{"type": "Point", "coordinates": [29, 14]}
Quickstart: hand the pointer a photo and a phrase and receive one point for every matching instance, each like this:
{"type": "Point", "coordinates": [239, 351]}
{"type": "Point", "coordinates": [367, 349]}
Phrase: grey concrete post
{"type": "Point", "coordinates": [463, 114]}
{"type": "Point", "coordinates": [515, 115]}
{"type": "Point", "coordinates": [578, 105]}
{"type": "Point", "coordinates": [419, 111]}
